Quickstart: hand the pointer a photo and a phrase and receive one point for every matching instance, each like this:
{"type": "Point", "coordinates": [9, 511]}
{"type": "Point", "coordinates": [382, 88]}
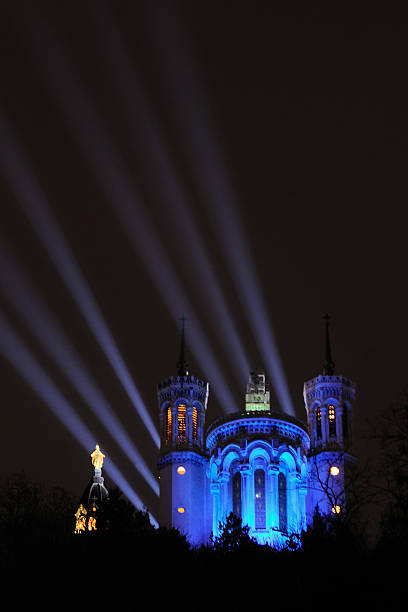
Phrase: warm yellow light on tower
{"type": "Point", "coordinates": [334, 470]}
{"type": "Point", "coordinates": [181, 469]}
{"type": "Point", "coordinates": [168, 430]}
{"type": "Point", "coordinates": [336, 509]}
{"type": "Point", "coordinates": [195, 423]}
{"type": "Point", "coordinates": [181, 510]}
{"type": "Point", "coordinates": [181, 420]}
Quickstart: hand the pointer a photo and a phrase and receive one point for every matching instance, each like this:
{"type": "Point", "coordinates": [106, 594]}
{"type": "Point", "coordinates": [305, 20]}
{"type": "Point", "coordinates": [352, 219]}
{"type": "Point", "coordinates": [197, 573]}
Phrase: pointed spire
{"type": "Point", "coordinates": [328, 369]}
{"type": "Point", "coordinates": [182, 363]}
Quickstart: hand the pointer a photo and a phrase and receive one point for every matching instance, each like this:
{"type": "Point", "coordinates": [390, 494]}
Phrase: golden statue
{"type": "Point", "coordinates": [80, 516]}
{"type": "Point", "coordinates": [97, 458]}
{"type": "Point", "coordinates": [92, 523]}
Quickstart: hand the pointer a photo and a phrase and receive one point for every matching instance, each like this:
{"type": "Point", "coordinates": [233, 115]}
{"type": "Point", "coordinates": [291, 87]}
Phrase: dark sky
{"type": "Point", "coordinates": [310, 109]}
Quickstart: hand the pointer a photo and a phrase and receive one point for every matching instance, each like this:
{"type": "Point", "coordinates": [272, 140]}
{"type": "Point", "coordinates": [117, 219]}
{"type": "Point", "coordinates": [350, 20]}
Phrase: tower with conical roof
{"type": "Point", "coordinates": [329, 400]}
{"type": "Point", "coordinates": [182, 460]}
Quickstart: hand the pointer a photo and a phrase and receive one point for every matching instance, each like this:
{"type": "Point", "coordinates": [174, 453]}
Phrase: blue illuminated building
{"type": "Point", "coordinates": [267, 467]}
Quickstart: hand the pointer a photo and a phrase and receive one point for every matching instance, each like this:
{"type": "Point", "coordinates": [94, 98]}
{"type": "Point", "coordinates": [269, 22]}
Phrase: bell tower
{"type": "Point", "coordinates": [182, 460]}
{"type": "Point", "coordinates": [329, 401]}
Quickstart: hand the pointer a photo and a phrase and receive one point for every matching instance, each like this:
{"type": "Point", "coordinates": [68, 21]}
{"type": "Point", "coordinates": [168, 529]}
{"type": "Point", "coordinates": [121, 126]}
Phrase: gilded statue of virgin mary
{"type": "Point", "coordinates": [97, 458]}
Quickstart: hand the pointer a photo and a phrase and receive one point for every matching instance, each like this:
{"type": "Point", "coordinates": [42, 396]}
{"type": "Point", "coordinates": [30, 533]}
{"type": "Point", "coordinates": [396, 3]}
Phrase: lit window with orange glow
{"type": "Point", "coordinates": [181, 421]}
{"type": "Point", "coordinates": [168, 429]}
{"type": "Point", "coordinates": [181, 469]}
{"type": "Point", "coordinates": [181, 510]}
{"type": "Point", "coordinates": [334, 470]}
{"type": "Point", "coordinates": [195, 423]}
{"type": "Point", "coordinates": [332, 420]}
{"type": "Point", "coordinates": [336, 509]}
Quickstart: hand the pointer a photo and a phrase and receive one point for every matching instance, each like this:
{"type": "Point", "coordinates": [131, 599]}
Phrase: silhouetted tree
{"type": "Point", "coordinates": [120, 517]}
{"type": "Point", "coordinates": [31, 518]}
{"type": "Point", "coordinates": [354, 497]}
{"type": "Point", "coordinates": [391, 433]}
{"type": "Point", "coordinates": [233, 536]}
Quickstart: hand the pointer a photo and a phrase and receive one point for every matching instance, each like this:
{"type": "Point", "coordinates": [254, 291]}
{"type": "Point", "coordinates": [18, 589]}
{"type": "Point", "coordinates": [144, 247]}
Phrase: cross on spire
{"type": "Point", "coordinates": [328, 368]}
{"type": "Point", "coordinates": [182, 363]}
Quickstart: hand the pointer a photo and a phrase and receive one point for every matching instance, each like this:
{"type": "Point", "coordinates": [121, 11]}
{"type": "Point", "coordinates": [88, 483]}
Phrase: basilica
{"type": "Point", "coordinates": [268, 468]}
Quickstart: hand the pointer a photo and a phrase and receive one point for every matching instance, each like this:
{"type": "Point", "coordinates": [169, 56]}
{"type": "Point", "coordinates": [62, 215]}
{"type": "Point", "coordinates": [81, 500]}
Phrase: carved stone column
{"type": "Point", "coordinates": [325, 425]}
{"type": "Point", "coordinates": [339, 424]}
{"type": "Point", "coordinates": [189, 424]}
{"type": "Point", "coordinates": [245, 493]}
{"type": "Point", "coordinates": [224, 494]}
{"type": "Point", "coordinates": [215, 492]}
{"type": "Point", "coordinates": [273, 473]}
{"type": "Point", "coordinates": [174, 425]}
{"type": "Point", "coordinates": [302, 490]}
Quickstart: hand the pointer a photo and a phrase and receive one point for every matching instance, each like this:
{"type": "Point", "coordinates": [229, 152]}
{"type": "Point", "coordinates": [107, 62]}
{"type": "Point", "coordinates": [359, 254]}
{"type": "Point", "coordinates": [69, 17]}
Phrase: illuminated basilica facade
{"type": "Point", "coordinates": [269, 468]}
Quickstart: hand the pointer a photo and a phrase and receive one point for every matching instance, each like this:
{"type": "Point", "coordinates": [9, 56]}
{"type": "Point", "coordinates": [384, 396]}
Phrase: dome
{"type": "Point", "coordinates": [267, 426]}
{"type": "Point", "coordinates": [94, 493]}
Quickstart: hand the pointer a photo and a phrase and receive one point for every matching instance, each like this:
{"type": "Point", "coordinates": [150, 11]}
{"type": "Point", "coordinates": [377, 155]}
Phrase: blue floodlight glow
{"type": "Point", "coordinates": [14, 350]}
{"type": "Point", "coordinates": [122, 195]}
{"type": "Point", "coordinates": [18, 290]}
{"type": "Point", "coordinates": [30, 195]}
{"type": "Point", "coordinates": [211, 174]}
{"type": "Point", "coordinates": [157, 162]}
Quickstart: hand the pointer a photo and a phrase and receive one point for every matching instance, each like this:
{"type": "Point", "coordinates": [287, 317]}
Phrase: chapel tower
{"type": "Point", "coordinates": [93, 498]}
{"type": "Point", "coordinates": [329, 401]}
{"type": "Point", "coordinates": [182, 460]}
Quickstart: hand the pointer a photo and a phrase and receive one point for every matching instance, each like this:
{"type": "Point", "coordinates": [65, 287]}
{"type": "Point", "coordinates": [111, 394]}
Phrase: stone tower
{"type": "Point", "coordinates": [329, 401]}
{"type": "Point", "coordinates": [182, 460]}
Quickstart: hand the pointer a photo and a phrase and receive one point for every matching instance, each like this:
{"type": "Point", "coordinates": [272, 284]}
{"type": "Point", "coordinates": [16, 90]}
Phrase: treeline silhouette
{"type": "Point", "coordinates": [127, 563]}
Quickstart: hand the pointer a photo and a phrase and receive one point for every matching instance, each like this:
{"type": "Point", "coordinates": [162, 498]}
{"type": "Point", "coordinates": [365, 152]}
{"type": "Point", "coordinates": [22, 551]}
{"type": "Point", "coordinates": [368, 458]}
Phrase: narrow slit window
{"type": "Point", "coordinates": [260, 508]}
{"type": "Point", "coordinates": [195, 423]}
{"type": "Point", "coordinates": [168, 425]}
{"type": "Point", "coordinates": [283, 503]}
{"type": "Point", "coordinates": [332, 421]}
{"type": "Point", "coordinates": [181, 421]}
{"type": "Point", "coordinates": [236, 494]}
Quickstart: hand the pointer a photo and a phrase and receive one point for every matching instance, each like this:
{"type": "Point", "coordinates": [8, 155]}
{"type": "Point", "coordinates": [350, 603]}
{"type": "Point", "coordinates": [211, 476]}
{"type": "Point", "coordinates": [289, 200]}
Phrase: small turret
{"type": "Point", "coordinates": [329, 402]}
{"type": "Point", "coordinates": [257, 397]}
{"type": "Point", "coordinates": [182, 405]}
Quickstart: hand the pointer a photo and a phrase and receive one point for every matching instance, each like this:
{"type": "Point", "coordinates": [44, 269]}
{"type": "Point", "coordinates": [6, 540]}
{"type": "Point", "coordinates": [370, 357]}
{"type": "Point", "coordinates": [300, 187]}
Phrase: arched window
{"type": "Point", "coordinates": [332, 421]}
{"type": "Point", "coordinates": [195, 423]}
{"type": "Point", "coordinates": [260, 508]}
{"type": "Point", "coordinates": [181, 422]}
{"type": "Point", "coordinates": [168, 425]}
{"type": "Point", "coordinates": [318, 417]}
{"type": "Point", "coordinates": [236, 494]}
{"type": "Point", "coordinates": [283, 503]}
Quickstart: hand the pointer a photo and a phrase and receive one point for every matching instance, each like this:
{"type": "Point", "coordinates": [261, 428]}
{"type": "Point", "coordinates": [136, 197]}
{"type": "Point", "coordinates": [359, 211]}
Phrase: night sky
{"type": "Point", "coordinates": [310, 112]}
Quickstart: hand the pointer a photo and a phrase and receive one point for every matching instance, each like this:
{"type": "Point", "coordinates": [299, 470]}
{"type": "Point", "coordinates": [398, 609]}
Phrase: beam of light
{"type": "Point", "coordinates": [212, 176]}
{"type": "Point", "coordinates": [121, 193]}
{"type": "Point", "coordinates": [18, 355]}
{"type": "Point", "coordinates": [156, 162]}
{"type": "Point", "coordinates": [30, 195]}
{"type": "Point", "coordinates": [17, 288]}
